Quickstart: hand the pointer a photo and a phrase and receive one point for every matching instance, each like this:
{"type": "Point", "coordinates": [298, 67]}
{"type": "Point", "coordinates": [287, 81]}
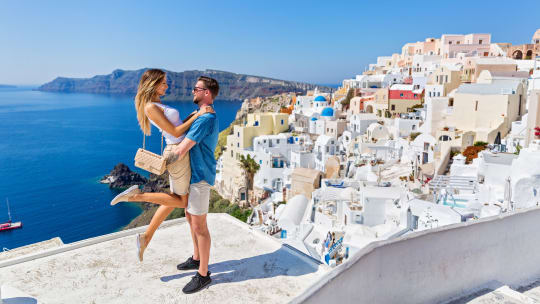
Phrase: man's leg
{"type": "Point", "coordinates": [199, 197]}
{"type": "Point", "coordinates": [200, 228]}
{"type": "Point", "coordinates": [196, 255]}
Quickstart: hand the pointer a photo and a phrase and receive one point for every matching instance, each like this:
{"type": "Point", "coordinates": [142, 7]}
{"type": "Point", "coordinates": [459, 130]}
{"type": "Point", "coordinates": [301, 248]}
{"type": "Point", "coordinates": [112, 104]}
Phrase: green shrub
{"type": "Point", "coordinates": [414, 135]}
{"type": "Point", "coordinates": [480, 144]}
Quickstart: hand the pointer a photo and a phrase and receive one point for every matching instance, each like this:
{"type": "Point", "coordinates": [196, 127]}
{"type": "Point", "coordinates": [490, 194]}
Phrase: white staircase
{"type": "Point", "coordinates": [525, 295]}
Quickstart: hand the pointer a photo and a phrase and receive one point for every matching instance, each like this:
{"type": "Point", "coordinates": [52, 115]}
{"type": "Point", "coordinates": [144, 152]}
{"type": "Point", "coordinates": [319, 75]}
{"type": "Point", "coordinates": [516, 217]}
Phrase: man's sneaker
{"type": "Point", "coordinates": [124, 196]}
{"type": "Point", "coordinates": [189, 264]}
{"type": "Point", "coordinates": [197, 283]}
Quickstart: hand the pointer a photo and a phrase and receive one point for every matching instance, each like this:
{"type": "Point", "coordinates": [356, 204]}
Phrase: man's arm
{"type": "Point", "coordinates": [179, 152]}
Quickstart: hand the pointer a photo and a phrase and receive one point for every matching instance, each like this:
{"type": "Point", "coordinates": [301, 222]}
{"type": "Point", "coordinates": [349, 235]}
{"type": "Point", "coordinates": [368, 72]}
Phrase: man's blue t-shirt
{"type": "Point", "coordinates": [204, 131]}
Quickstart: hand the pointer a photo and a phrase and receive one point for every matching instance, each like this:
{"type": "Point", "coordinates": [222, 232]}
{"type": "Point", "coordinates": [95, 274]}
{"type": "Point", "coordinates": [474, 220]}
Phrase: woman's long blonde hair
{"type": "Point", "coordinates": [146, 92]}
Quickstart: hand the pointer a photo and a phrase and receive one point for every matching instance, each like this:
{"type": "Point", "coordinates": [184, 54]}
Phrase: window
{"type": "Point", "coordinates": [277, 141]}
{"type": "Point", "coordinates": [401, 95]}
{"type": "Point", "coordinates": [449, 42]}
{"type": "Point", "coordinates": [414, 95]}
{"type": "Point", "coordinates": [282, 121]}
{"type": "Point", "coordinates": [238, 134]}
{"type": "Point", "coordinates": [393, 107]}
{"type": "Point", "coordinates": [327, 149]}
{"type": "Point", "coordinates": [264, 141]}
{"type": "Point", "coordinates": [238, 145]}
{"type": "Point", "coordinates": [232, 153]}
{"type": "Point", "coordinates": [260, 162]}
{"type": "Point", "coordinates": [480, 41]}
{"type": "Point", "coordinates": [476, 106]}
{"type": "Point", "coordinates": [426, 146]}
{"type": "Point", "coordinates": [413, 127]}
{"type": "Point", "coordinates": [458, 42]}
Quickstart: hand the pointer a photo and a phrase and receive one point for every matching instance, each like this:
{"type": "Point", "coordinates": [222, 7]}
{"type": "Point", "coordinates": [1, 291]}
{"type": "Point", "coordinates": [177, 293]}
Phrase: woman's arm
{"type": "Point", "coordinates": [155, 113]}
{"type": "Point", "coordinates": [181, 129]}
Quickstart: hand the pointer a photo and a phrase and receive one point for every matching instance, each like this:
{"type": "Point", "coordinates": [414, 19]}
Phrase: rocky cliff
{"type": "Point", "coordinates": [122, 177]}
{"type": "Point", "coordinates": [232, 86]}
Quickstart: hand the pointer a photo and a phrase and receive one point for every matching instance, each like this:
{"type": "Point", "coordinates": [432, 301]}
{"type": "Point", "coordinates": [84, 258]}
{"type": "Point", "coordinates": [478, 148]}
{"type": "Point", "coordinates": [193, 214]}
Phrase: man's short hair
{"type": "Point", "coordinates": [211, 84]}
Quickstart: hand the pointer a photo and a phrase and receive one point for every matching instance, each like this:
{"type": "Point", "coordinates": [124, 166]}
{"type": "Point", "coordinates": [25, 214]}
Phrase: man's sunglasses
{"type": "Point", "coordinates": [197, 89]}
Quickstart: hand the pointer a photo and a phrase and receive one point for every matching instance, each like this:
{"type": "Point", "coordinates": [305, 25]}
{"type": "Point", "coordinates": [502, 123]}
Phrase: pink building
{"type": "Point", "coordinates": [474, 44]}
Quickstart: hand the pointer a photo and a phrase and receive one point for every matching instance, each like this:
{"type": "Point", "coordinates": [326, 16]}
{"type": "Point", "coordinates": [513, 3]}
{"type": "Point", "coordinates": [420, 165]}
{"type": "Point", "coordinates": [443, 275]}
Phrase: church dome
{"type": "Point", "coordinates": [329, 112]}
{"type": "Point", "coordinates": [320, 98]}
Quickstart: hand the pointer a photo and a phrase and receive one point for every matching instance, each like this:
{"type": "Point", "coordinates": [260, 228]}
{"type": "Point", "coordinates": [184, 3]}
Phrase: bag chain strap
{"type": "Point", "coordinates": [144, 143]}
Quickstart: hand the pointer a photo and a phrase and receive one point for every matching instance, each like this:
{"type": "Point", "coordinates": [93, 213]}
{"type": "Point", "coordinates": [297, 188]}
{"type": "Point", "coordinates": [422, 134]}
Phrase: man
{"type": "Point", "coordinates": [200, 142]}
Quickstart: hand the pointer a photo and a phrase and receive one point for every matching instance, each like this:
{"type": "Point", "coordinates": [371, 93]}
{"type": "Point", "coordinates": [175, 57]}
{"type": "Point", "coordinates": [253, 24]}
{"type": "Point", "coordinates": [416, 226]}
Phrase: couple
{"type": "Point", "coordinates": [190, 162]}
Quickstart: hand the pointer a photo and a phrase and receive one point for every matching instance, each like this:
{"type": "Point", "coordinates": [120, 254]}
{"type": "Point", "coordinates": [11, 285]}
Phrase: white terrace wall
{"type": "Point", "coordinates": [437, 265]}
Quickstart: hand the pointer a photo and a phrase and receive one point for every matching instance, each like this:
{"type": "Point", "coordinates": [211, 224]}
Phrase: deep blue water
{"type": "Point", "coordinates": [55, 147]}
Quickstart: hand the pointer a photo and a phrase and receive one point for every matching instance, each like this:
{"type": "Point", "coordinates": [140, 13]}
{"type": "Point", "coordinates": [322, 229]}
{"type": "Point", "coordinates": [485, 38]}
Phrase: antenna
{"type": "Point", "coordinates": [9, 213]}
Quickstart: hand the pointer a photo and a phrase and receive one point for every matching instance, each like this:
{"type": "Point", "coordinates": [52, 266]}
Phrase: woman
{"type": "Point", "coordinates": [150, 110]}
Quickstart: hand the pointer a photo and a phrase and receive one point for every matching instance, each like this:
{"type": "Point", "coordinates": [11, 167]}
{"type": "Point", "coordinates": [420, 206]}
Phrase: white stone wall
{"type": "Point", "coordinates": [428, 266]}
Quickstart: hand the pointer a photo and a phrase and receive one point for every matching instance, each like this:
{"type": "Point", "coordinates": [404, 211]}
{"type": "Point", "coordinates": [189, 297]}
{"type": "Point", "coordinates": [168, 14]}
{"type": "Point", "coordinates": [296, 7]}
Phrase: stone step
{"type": "Point", "coordinates": [503, 295]}
{"type": "Point", "coordinates": [532, 291]}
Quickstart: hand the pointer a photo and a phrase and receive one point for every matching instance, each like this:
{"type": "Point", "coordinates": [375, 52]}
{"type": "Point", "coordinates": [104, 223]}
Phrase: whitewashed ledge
{"type": "Point", "coordinates": [246, 266]}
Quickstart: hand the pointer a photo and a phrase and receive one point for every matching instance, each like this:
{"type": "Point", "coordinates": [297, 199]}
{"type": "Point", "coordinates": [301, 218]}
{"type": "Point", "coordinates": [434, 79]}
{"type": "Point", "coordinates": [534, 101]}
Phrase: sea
{"type": "Point", "coordinates": [54, 149]}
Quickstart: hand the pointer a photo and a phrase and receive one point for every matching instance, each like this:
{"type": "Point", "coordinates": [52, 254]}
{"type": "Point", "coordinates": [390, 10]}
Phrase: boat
{"type": "Point", "coordinates": [9, 225]}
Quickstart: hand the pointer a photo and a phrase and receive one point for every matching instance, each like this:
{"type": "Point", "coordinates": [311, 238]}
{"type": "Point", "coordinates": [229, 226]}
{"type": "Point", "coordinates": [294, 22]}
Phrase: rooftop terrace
{"type": "Point", "coordinates": [246, 266]}
{"type": "Point", "coordinates": [489, 260]}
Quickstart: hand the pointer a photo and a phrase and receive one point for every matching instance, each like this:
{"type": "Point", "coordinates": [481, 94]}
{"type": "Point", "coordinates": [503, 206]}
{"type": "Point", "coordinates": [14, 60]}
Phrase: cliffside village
{"type": "Point", "coordinates": [446, 131]}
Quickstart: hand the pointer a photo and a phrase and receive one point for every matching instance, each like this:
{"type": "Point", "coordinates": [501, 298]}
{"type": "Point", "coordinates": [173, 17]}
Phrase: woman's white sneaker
{"type": "Point", "coordinates": [141, 245]}
{"type": "Point", "coordinates": [124, 196]}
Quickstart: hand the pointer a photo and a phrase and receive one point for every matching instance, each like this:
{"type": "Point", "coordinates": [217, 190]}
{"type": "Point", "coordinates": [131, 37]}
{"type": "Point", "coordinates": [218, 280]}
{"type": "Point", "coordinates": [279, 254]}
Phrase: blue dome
{"type": "Point", "coordinates": [320, 98]}
{"type": "Point", "coordinates": [327, 112]}
{"type": "Point", "coordinates": [313, 118]}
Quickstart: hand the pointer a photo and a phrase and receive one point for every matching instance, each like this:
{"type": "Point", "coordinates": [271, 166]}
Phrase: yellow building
{"type": "Point", "coordinates": [488, 109]}
{"type": "Point", "coordinates": [233, 183]}
{"type": "Point", "coordinates": [449, 77]}
{"type": "Point", "coordinates": [257, 124]}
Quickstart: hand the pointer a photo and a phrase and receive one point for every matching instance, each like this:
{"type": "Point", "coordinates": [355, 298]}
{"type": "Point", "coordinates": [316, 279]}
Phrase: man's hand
{"type": "Point", "coordinates": [172, 157]}
{"type": "Point", "coordinates": [179, 151]}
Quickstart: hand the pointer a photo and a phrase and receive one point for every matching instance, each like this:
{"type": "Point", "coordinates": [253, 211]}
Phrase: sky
{"type": "Point", "coordinates": [319, 42]}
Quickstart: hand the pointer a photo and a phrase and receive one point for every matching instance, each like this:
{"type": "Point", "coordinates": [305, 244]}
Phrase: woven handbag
{"type": "Point", "coordinates": [149, 161]}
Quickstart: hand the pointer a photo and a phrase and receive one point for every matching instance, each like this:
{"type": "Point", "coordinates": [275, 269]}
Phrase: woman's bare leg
{"type": "Point", "coordinates": [164, 199]}
{"type": "Point", "coordinates": [161, 214]}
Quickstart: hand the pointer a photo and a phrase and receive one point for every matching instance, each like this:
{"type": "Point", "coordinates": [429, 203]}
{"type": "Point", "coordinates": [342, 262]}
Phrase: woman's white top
{"type": "Point", "coordinates": [174, 117]}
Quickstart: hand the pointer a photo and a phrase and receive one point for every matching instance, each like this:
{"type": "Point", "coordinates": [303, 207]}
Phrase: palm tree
{"type": "Point", "coordinates": [250, 167]}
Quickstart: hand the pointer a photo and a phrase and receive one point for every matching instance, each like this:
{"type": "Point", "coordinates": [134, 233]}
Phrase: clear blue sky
{"type": "Point", "coordinates": [311, 41]}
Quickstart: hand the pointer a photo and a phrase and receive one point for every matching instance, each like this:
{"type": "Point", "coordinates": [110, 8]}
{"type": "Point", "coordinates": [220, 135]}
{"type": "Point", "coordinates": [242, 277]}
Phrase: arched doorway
{"type": "Point", "coordinates": [369, 109]}
{"type": "Point", "coordinates": [445, 138]}
{"type": "Point", "coordinates": [498, 139]}
{"type": "Point", "coordinates": [529, 54]}
{"type": "Point", "coordinates": [242, 194]}
{"type": "Point", "coordinates": [277, 185]}
{"type": "Point", "coordinates": [517, 54]}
